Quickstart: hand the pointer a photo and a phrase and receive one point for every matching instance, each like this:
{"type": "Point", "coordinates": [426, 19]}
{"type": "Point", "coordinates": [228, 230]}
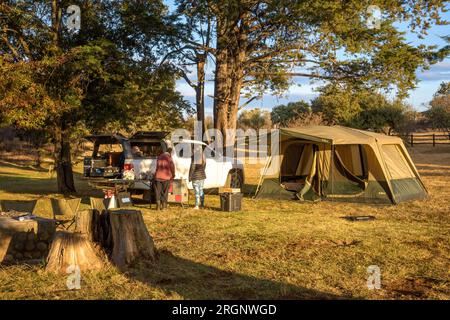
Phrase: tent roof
{"type": "Point", "coordinates": [339, 135]}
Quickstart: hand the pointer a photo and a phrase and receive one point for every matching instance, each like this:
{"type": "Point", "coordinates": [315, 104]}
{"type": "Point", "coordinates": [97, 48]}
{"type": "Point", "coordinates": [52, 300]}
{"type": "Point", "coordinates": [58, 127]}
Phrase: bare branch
{"type": "Point", "coordinates": [186, 78]}
{"type": "Point", "coordinates": [247, 102]}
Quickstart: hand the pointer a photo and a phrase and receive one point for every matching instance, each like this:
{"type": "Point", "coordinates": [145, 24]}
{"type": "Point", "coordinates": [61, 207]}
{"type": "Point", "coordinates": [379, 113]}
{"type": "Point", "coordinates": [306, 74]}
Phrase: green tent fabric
{"type": "Point", "coordinates": [340, 164]}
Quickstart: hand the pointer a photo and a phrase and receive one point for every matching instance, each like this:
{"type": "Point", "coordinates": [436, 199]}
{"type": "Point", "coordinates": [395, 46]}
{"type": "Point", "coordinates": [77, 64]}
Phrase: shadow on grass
{"type": "Point", "coordinates": [41, 186]}
{"type": "Point", "coordinates": [193, 280]}
{"type": "Point", "coordinates": [14, 183]}
{"type": "Point", "coordinates": [433, 170]}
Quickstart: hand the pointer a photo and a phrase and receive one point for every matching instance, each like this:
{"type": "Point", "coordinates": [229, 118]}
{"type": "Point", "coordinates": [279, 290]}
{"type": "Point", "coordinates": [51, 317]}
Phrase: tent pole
{"type": "Point", "coordinates": [332, 170]}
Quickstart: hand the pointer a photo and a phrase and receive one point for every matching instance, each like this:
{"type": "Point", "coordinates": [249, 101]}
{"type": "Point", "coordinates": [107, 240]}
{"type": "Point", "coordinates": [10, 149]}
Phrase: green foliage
{"type": "Point", "coordinates": [378, 113]}
{"type": "Point", "coordinates": [274, 38]}
{"type": "Point", "coordinates": [283, 114]}
{"type": "Point", "coordinates": [104, 75]}
{"type": "Point", "coordinates": [254, 119]}
{"type": "Point", "coordinates": [261, 45]}
{"type": "Point", "coordinates": [444, 89]}
{"type": "Point", "coordinates": [439, 111]}
{"type": "Point", "coordinates": [362, 109]}
{"type": "Point", "coordinates": [337, 105]}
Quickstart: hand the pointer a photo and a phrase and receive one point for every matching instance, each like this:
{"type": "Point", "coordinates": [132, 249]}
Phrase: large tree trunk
{"type": "Point", "coordinates": [235, 96]}
{"type": "Point", "coordinates": [230, 58]}
{"type": "Point", "coordinates": [239, 54]}
{"type": "Point", "coordinates": [63, 164]}
{"type": "Point", "coordinates": [200, 90]}
{"type": "Point", "coordinates": [221, 90]}
{"type": "Point", "coordinates": [131, 240]}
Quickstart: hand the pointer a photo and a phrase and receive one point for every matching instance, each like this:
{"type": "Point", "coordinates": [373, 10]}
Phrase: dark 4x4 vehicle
{"type": "Point", "coordinates": [108, 157]}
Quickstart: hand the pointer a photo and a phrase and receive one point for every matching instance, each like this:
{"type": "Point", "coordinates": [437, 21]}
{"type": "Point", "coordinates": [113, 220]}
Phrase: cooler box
{"type": "Point", "coordinates": [178, 192]}
{"type": "Point", "coordinates": [231, 202]}
{"type": "Point", "coordinates": [124, 200]}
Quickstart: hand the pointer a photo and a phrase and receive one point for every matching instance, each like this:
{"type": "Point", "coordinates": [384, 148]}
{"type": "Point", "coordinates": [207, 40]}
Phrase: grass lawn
{"type": "Point", "coordinates": [271, 250]}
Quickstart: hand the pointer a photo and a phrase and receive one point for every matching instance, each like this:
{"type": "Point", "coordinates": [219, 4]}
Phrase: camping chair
{"type": "Point", "coordinates": [98, 204]}
{"type": "Point", "coordinates": [17, 205]}
{"type": "Point", "coordinates": [64, 211]}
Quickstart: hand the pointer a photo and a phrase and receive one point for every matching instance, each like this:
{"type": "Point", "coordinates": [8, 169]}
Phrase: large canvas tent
{"type": "Point", "coordinates": [339, 163]}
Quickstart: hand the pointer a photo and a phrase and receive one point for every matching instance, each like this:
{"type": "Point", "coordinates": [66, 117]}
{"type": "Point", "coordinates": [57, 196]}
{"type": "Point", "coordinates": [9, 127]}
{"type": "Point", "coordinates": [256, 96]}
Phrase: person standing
{"type": "Point", "coordinates": [165, 172]}
{"type": "Point", "coordinates": [197, 175]}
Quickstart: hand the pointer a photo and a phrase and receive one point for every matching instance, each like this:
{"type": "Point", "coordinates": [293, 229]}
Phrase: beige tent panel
{"type": "Point", "coordinates": [396, 163]}
{"type": "Point", "coordinates": [306, 159]}
{"type": "Point", "coordinates": [352, 158]}
{"type": "Point", "coordinates": [324, 161]}
{"type": "Point", "coordinates": [338, 135]}
{"type": "Point", "coordinates": [374, 165]}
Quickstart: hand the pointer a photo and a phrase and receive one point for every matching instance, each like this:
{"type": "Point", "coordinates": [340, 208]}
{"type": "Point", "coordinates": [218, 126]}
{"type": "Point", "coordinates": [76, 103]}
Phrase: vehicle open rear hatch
{"type": "Point", "coordinates": [148, 144]}
{"type": "Point", "coordinates": [149, 135]}
{"type": "Point", "coordinates": [108, 156]}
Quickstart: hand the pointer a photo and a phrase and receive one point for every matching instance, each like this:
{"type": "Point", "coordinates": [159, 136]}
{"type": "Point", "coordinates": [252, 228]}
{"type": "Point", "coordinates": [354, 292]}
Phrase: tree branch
{"type": "Point", "coordinates": [186, 78]}
{"type": "Point", "coordinates": [247, 102]}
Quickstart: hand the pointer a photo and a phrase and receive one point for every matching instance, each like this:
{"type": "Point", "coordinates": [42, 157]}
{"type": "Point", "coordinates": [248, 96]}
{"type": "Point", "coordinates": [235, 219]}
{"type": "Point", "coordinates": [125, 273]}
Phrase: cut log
{"type": "Point", "coordinates": [18, 238]}
{"type": "Point", "coordinates": [96, 226]}
{"type": "Point", "coordinates": [131, 240]}
{"type": "Point", "coordinates": [84, 223]}
{"type": "Point", "coordinates": [73, 249]}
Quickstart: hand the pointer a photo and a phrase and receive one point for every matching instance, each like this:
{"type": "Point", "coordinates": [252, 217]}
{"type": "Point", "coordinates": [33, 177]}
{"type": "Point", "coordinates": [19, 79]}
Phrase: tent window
{"type": "Point", "coordinates": [354, 158]}
{"type": "Point", "coordinates": [396, 162]}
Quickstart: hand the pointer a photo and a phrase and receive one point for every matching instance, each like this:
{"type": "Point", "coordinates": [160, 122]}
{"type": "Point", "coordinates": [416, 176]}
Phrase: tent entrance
{"type": "Point", "coordinates": [298, 170]}
{"type": "Point", "coordinates": [293, 167]}
{"type": "Point", "coordinates": [349, 171]}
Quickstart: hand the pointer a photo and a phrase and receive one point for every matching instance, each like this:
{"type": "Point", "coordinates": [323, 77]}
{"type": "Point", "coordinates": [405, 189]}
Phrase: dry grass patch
{"type": "Point", "coordinates": [272, 249]}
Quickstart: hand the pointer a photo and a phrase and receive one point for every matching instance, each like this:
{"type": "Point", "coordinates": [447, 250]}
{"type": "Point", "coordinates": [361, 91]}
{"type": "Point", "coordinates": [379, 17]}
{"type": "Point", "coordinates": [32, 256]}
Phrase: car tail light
{"type": "Point", "coordinates": [128, 166]}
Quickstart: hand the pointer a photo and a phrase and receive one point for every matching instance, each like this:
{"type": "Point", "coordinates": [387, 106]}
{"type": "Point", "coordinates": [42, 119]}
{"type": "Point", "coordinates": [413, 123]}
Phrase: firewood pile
{"type": "Point", "coordinates": [14, 214]}
{"type": "Point", "coordinates": [24, 237]}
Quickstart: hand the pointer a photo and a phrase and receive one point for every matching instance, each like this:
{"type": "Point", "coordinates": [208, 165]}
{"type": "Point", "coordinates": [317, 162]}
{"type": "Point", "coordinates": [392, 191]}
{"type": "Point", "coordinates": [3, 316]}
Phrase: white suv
{"type": "Point", "coordinates": [220, 171]}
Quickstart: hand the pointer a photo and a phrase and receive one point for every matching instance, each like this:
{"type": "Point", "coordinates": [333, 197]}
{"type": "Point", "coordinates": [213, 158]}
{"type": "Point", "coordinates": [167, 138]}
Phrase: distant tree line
{"type": "Point", "coordinates": [362, 109]}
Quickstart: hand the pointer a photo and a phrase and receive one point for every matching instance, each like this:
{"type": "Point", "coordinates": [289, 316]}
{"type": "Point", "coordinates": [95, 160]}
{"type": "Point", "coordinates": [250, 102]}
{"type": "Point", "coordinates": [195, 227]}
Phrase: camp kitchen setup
{"type": "Point", "coordinates": [123, 166]}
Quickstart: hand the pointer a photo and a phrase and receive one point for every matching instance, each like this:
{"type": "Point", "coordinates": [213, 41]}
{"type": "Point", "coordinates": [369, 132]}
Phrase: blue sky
{"type": "Point", "coordinates": [419, 97]}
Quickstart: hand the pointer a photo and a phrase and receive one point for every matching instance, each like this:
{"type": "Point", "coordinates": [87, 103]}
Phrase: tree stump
{"type": "Point", "coordinates": [131, 240]}
{"type": "Point", "coordinates": [96, 226]}
{"type": "Point", "coordinates": [73, 249]}
{"type": "Point", "coordinates": [84, 223]}
{"type": "Point", "coordinates": [102, 229]}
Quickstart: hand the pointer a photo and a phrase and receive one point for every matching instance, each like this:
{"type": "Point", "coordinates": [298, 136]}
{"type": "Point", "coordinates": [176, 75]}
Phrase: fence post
{"type": "Point", "coordinates": [434, 140]}
{"type": "Point", "coordinates": [412, 140]}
